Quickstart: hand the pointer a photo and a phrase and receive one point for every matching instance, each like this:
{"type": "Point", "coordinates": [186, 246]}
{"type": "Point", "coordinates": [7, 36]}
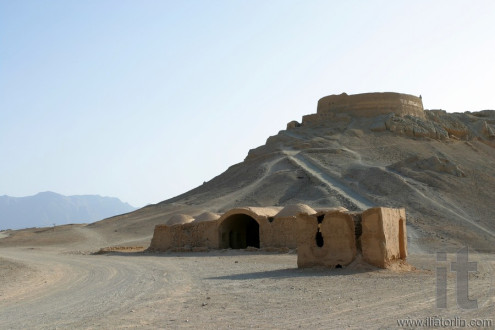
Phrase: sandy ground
{"type": "Point", "coordinates": [52, 287]}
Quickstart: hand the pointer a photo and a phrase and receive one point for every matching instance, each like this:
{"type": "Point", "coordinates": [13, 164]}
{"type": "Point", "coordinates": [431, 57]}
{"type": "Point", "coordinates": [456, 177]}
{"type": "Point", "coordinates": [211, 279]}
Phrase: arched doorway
{"type": "Point", "coordinates": [239, 231]}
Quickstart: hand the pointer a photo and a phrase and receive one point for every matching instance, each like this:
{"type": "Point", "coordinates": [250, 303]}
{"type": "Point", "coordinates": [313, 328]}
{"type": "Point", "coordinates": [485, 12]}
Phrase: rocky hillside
{"type": "Point", "coordinates": [48, 208]}
{"type": "Point", "coordinates": [439, 167]}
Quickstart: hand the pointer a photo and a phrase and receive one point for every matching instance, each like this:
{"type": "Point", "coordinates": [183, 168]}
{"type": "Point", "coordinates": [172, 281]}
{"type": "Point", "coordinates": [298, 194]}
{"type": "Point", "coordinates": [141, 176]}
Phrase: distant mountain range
{"type": "Point", "coordinates": [49, 208]}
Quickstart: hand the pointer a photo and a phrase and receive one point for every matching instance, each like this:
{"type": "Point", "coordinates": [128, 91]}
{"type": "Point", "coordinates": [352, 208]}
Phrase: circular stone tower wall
{"type": "Point", "coordinates": [371, 104]}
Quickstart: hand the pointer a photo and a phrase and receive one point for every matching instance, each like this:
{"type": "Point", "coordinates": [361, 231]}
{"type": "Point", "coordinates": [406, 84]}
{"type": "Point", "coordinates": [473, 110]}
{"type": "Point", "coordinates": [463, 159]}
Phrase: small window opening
{"type": "Point", "coordinates": [319, 239]}
{"type": "Point", "coordinates": [338, 266]}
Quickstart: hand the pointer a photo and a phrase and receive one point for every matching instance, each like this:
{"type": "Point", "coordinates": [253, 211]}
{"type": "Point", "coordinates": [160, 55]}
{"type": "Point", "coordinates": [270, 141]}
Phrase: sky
{"type": "Point", "coordinates": [145, 100]}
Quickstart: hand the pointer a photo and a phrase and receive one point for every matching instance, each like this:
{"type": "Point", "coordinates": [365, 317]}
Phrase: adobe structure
{"type": "Point", "coordinates": [330, 238]}
{"type": "Point", "coordinates": [366, 105]}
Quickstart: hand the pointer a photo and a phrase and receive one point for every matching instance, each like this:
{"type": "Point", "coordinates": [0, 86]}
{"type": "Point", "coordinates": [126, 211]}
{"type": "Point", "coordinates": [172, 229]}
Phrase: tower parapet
{"type": "Point", "coordinates": [367, 105]}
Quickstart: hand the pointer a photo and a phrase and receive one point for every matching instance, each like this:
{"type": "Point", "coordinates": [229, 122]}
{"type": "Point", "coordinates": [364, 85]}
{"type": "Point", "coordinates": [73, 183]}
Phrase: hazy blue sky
{"type": "Point", "coordinates": [144, 100]}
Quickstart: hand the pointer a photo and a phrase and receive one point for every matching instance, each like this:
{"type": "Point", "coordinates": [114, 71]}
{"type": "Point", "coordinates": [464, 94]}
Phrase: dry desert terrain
{"type": "Point", "coordinates": [53, 286]}
{"type": "Point", "coordinates": [439, 167]}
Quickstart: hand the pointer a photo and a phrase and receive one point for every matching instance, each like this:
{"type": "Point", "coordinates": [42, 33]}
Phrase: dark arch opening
{"type": "Point", "coordinates": [239, 231]}
{"type": "Point", "coordinates": [319, 239]}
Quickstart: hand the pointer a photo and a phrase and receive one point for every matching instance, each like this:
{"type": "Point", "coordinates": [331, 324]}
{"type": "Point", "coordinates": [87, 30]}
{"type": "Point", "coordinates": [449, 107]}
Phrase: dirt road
{"type": "Point", "coordinates": [220, 289]}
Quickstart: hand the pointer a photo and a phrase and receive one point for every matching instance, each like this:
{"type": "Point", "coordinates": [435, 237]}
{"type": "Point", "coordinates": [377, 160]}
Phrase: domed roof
{"type": "Point", "coordinates": [179, 219]}
{"type": "Point", "coordinates": [206, 216]}
{"type": "Point", "coordinates": [332, 209]}
{"type": "Point", "coordinates": [293, 210]}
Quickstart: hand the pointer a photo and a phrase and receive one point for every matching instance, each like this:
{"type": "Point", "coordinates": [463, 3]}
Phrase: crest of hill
{"type": "Point", "coordinates": [401, 114]}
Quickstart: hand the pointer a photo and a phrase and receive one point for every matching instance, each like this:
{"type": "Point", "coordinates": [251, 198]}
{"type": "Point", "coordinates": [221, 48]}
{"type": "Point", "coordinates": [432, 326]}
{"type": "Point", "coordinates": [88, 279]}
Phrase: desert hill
{"type": "Point", "coordinates": [378, 149]}
{"type": "Point", "coordinates": [437, 165]}
{"type": "Point", "coordinates": [48, 208]}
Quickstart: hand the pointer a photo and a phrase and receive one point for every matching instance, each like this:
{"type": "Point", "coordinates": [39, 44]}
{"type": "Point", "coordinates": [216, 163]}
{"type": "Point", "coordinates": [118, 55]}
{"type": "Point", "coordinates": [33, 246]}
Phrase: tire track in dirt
{"type": "Point", "coordinates": [96, 288]}
{"type": "Point", "coordinates": [222, 289]}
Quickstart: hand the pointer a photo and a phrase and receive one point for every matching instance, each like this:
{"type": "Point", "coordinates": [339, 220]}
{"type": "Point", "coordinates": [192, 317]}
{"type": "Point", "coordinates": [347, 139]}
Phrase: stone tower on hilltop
{"type": "Point", "coordinates": [366, 105]}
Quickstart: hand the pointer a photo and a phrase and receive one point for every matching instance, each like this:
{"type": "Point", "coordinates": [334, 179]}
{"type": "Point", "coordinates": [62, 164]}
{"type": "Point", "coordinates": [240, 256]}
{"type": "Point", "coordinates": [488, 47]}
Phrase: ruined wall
{"type": "Point", "coordinates": [384, 236]}
{"type": "Point", "coordinates": [185, 236]}
{"type": "Point", "coordinates": [238, 228]}
{"type": "Point", "coordinates": [394, 227]}
{"type": "Point", "coordinates": [281, 232]}
{"type": "Point", "coordinates": [282, 229]}
{"type": "Point", "coordinates": [326, 240]}
{"type": "Point", "coordinates": [335, 107]}
{"type": "Point", "coordinates": [329, 238]}
{"type": "Point", "coordinates": [162, 238]}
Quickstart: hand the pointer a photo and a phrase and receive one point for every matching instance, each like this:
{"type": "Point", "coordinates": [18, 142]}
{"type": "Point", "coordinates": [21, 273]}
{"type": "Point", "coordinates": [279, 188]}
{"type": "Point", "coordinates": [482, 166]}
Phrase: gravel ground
{"type": "Point", "coordinates": [53, 288]}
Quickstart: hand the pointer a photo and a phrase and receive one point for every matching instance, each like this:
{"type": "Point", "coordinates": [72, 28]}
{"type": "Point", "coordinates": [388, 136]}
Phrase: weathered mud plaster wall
{"type": "Point", "coordinates": [185, 236]}
{"type": "Point", "coordinates": [332, 107]}
{"type": "Point", "coordinates": [384, 236]}
{"type": "Point", "coordinates": [281, 232]}
{"type": "Point", "coordinates": [329, 238]}
{"type": "Point", "coordinates": [326, 239]}
{"type": "Point", "coordinates": [238, 228]}
{"type": "Point", "coordinates": [162, 238]}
